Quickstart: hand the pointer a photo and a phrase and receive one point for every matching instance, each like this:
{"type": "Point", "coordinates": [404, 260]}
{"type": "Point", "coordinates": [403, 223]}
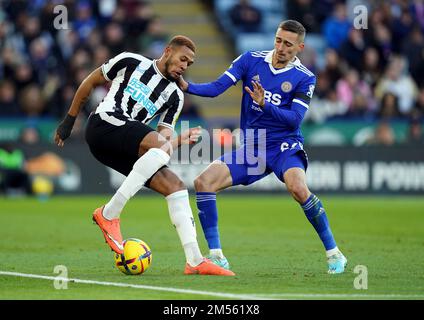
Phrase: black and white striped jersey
{"type": "Point", "coordinates": [139, 91]}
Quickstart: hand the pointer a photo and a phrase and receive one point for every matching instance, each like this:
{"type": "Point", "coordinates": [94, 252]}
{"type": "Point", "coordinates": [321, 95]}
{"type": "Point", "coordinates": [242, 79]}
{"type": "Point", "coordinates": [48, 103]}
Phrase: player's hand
{"type": "Point", "coordinates": [64, 129]}
{"type": "Point", "coordinates": [258, 93]}
{"type": "Point", "coordinates": [182, 84]}
{"type": "Point", "coordinates": [191, 136]}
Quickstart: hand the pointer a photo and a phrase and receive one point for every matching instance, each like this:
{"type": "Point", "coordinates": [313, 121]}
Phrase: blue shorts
{"type": "Point", "coordinates": [249, 164]}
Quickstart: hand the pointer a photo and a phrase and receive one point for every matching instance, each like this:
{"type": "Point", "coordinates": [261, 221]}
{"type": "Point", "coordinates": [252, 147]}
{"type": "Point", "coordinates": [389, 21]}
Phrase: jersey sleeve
{"type": "Point", "coordinates": [111, 68]}
{"type": "Point", "coordinates": [238, 68]}
{"type": "Point", "coordinates": [229, 78]}
{"type": "Point", "coordinates": [169, 117]}
{"type": "Point", "coordinates": [304, 92]}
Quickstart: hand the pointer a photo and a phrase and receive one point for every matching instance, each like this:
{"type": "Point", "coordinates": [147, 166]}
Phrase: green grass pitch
{"type": "Point", "coordinates": [270, 244]}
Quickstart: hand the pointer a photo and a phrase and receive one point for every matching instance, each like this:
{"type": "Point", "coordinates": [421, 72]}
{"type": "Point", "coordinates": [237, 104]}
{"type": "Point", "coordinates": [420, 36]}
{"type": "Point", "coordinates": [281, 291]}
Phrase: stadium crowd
{"type": "Point", "coordinates": [374, 73]}
{"type": "Point", "coordinates": [41, 66]}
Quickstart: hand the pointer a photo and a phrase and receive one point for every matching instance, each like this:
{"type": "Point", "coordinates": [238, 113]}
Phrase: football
{"type": "Point", "coordinates": [136, 258]}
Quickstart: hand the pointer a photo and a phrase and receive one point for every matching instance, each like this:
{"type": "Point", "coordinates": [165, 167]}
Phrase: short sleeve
{"type": "Point", "coordinates": [238, 67]}
{"type": "Point", "coordinates": [305, 91]}
{"type": "Point", "coordinates": [111, 68]}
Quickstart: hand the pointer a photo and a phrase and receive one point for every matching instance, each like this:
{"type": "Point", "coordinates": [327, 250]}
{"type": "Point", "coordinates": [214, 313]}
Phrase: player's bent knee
{"type": "Point", "coordinates": [154, 140]}
{"type": "Point", "coordinates": [299, 192]}
{"type": "Point", "coordinates": [203, 183]}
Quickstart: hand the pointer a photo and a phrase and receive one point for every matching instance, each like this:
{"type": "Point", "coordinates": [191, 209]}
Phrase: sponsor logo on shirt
{"type": "Point", "coordinates": [140, 93]}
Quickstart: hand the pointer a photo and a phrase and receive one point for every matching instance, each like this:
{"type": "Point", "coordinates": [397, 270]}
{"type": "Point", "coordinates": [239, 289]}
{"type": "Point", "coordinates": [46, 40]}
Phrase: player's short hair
{"type": "Point", "coordinates": [293, 26]}
{"type": "Point", "coordinates": [180, 40]}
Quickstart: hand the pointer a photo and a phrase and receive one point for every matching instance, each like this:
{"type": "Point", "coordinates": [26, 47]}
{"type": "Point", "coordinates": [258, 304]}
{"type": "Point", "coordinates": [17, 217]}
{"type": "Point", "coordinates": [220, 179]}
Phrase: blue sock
{"type": "Point", "coordinates": [208, 216]}
{"type": "Point", "coordinates": [315, 213]}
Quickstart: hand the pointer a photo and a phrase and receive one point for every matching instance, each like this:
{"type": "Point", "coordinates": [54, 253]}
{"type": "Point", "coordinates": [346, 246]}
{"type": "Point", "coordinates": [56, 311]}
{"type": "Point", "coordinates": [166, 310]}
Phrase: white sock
{"type": "Point", "coordinates": [216, 253]}
{"type": "Point", "coordinates": [182, 218]}
{"type": "Point", "coordinates": [331, 252]}
{"type": "Point", "coordinates": [114, 207]}
{"type": "Point", "coordinates": [142, 170]}
{"type": "Point", "coordinates": [193, 254]}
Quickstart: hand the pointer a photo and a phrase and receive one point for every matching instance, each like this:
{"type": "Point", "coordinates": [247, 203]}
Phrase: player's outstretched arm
{"type": "Point", "coordinates": [189, 136]}
{"type": "Point", "coordinates": [209, 89]}
{"type": "Point", "coordinates": [64, 129]}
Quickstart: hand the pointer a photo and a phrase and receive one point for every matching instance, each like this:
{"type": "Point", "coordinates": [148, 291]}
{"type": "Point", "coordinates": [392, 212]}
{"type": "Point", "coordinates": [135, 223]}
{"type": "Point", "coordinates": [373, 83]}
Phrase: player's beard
{"type": "Point", "coordinates": [167, 73]}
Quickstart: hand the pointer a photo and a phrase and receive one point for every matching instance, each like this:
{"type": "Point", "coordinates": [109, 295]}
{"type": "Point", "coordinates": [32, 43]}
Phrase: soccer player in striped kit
{"type": "Point", "coordinates": [119, 137]}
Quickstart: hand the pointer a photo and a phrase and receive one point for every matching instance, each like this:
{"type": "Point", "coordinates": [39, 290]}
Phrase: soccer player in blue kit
{"type": "Point", "coordinates": [276, 96]}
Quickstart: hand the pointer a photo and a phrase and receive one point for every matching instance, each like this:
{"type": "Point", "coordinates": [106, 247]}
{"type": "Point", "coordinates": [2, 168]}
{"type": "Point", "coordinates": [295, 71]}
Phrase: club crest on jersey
{"type": "Point", "coordinates": [286, 86]}
{"type": "Point", "coordinates": [164, 95]}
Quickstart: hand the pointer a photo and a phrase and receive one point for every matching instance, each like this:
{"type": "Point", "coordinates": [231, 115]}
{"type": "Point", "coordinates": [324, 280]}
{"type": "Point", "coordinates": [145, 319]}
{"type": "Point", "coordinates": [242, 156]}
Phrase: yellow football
{"type": "Point", "coordinates": [136, 258]}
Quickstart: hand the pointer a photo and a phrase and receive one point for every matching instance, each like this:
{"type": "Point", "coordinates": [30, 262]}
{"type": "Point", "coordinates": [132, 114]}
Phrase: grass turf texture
{"type": "Point", "coordinates": [270, 244]}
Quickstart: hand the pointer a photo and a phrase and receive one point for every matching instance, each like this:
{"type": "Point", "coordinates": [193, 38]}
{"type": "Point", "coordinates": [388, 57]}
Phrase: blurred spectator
{"type": "Point", "coordinates": [371, 67]}
{"type": "Point", "coordinates": [24, 75]}
{"type": "Point", "coordinates": [353, 48]}
{"type": "Point", "coordinates": [309, 58]}
{"type": "Point", "coordinates": [397, 81]}
{"type": "Point", "coordinates": [419, 104]}
{"type": "Point", "coordinates": [322, 10]}
{"type": "Point", "coordinates": [334, 66]}
{"type": "Point", "coordinates": [246, 17]}
{"type": "Point", "coordinates": [8, 104]}
{"type": "Point", "coordinates": [325, 107]}
{"type": "Point", "coordinates": [304, 12]}
{"type": "Point", "coordinates": [30, 135]}
{"type": "Point", "coordinates": [154, 40]}
{"type": "Point", "coordinates": [41, 60]}
{"type": "Point", "coordinates": [106, 8]}
{"type": "Point", "coordinates": [31, 101]}
{"type": "Point", "coordinates": [114, 38]}
{"type": "Point", "coordinates": [389, 107]}
{"type": "Point", "coordinates": [401, 28]}
{"type": "Point", "coordinates": [13, 177]}
{"type": "Point", "coordinates": [355, 94]}
{"type": "Point", "coordinates": [380, 37]}
{"type": "Point", "coordinates": [67, 40]}
{"type": "Point", "coordinates": [417, 10]}
{"type": "Point", "coordinates": [415, 131]}
{"type": "Point", "coordinates": [413, 48]}
{"type": "Point", "coordinates": [336, 28]}
{"type": "Point", "coordinates": [84, 21]}
{"type": "Point", "coordinates": [136, 22]}
{"type": "Point", "coordinates": [383, 135]}
{"type": "Point", "coordinates": [101, 55]}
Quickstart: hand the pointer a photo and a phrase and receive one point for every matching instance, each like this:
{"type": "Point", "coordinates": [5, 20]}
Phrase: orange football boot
{"type": "Point", "coordinates": [207, 267]}
{"type": "Point", "coordinates": [111, 230]}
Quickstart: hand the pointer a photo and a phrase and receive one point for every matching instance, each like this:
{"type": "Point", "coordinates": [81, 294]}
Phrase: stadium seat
{"type": "Point", "coordinates": [254, 41]}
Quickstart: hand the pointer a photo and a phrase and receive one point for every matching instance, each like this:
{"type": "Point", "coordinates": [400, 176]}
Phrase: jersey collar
{"type": "Point", "coordinates": [291, 64]}
{"type": "Point", "coordinates": [157, 69]}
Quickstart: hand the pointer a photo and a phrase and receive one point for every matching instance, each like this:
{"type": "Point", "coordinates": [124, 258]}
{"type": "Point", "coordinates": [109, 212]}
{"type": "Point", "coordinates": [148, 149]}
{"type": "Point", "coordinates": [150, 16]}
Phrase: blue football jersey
{"type": "Point", "coordinates": [289, 88]}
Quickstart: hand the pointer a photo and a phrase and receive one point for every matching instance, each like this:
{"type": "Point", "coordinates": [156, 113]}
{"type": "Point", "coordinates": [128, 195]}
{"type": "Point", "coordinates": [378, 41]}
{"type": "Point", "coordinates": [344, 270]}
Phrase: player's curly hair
{"type": "Point", "coordinates": [293, 26]}
{"type": "Point", "coordinates": [182, 41]}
